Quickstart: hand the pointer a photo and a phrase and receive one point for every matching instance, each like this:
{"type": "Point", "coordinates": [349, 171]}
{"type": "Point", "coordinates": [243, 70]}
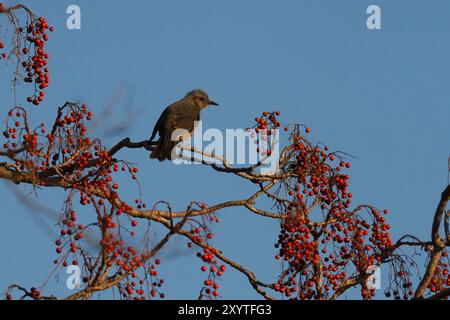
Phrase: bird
{"type": "Point", "coordinates": [181, 114]}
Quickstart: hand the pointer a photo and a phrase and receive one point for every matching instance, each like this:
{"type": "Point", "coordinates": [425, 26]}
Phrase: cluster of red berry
{"type": "Point", "coordinates": [19, 136]}
{"type": "Point", "coordinates": [28, 47]}
{"type": "Point", "coordinates": [68, 148]}
{"type": "Point", "coordinates": [70, 234]}
{"type": "Point", "coordinates": [35, 63]}
{"type": "Point", "coordinates": [66, 143]}
{"type": "Point", "coordinates": [201, 235]}
{"type": "Point", "coordinates": [263, 130]}
{"type": "Point", "coordinates": [214, 270]}
{"type": "Point", "coordinates": [441, 277]}
{"type": "Point", "coordinates": [321, 237]}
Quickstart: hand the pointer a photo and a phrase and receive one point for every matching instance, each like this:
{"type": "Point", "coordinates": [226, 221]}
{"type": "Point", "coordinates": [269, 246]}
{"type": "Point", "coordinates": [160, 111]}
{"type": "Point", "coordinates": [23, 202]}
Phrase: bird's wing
{"type": "Point", "coordinates": [183, 116]}
{"type": "Point", "coordinates": [179, 115]}
{"type": "Point", "coordinates": [159, 126]}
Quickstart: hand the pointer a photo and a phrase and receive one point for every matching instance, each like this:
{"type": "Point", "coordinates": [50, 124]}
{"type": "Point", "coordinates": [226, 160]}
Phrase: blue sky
{"type": "Point", "coordinates": [382, 96]}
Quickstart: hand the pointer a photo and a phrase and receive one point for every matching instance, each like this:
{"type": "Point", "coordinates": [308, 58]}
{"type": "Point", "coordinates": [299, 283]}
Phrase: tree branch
{"type": "Point", "coordinates": [438, 244]}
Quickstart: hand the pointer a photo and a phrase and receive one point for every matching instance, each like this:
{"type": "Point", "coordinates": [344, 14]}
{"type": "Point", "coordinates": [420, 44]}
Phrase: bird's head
{"type": "Point", "coordinates": [200, 98]}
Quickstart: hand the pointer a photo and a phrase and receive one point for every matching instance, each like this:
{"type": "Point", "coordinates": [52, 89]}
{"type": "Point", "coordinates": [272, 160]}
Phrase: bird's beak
{"type": "Point", "coordinates": [213, 103]}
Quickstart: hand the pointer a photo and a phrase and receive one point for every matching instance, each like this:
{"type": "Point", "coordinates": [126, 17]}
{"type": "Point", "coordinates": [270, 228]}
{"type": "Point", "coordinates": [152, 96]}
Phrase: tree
{"type": "Point", "coordinates": [326, 244]}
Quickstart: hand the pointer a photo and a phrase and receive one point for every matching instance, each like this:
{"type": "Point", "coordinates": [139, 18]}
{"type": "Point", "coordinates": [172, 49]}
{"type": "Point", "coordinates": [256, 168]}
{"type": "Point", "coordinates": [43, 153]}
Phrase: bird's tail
{"type": "Point", "coordinates": [163, 149]}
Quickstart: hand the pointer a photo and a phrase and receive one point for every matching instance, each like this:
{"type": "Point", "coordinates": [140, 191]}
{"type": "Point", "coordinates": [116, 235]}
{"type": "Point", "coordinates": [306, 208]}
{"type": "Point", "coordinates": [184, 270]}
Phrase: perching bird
{"type": "Point", "coordinates": [179, 115]}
